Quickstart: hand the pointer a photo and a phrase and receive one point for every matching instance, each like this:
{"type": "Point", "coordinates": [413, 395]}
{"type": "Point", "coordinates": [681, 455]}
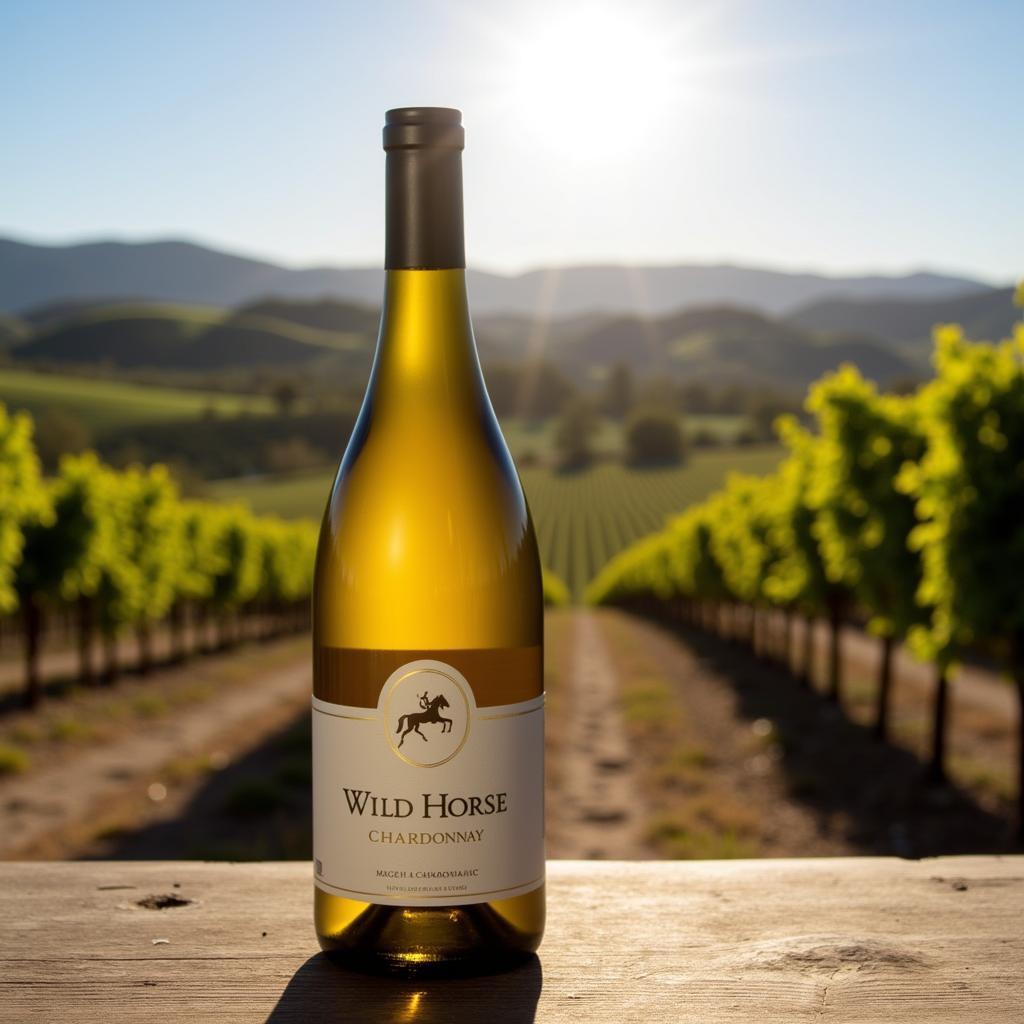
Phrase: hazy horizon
{"type": "Point", "coordinates": [517, 271]}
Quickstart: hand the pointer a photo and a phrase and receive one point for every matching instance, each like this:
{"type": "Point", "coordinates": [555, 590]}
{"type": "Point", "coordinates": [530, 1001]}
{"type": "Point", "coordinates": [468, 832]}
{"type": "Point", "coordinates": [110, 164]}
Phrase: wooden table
{"type": "Point", "coordinates": [856, 940]}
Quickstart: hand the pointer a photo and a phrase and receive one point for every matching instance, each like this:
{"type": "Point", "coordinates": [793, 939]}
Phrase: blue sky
{"type": "Point", "coordinates": [824, 135]}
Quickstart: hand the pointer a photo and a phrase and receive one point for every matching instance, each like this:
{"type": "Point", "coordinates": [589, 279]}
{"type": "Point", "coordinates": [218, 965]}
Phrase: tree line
{"type": "Point", "coordinates": [121, 550]}
{"type": "Point", "coordinates": [902, 511]}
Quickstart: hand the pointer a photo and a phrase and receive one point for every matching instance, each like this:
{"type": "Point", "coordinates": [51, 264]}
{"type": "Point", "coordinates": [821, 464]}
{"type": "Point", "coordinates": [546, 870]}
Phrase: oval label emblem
{"type": "Point", "coordinates": [426, 709]}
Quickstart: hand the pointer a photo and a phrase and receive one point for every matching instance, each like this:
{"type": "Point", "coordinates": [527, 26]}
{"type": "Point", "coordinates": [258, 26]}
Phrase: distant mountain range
{"type": "Point", "coordinates": [181, 272]}
{"type": "Point", "coordinates": [196, 311]}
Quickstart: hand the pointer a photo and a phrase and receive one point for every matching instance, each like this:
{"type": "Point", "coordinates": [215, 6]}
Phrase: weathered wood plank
{"type": "Point", "coordinates": [850, 940]}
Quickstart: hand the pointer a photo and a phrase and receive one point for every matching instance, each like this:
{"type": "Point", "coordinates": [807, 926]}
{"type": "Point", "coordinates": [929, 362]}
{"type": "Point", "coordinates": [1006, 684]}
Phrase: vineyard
{"type": "Point", "coordinates": [97, 552]}
{"type": "Point", "coordinates": [116, 551]}
{"type": "Point", "coordinates": [903, 512]}
{"type": "Point", "coordinates": [105, 404]}
{"type": "Point", "coordinates": [582, 519]}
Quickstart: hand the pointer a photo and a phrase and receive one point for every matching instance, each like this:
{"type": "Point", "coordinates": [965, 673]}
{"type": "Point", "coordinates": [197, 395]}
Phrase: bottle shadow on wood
{"type": "Point", "coordinates": [320, 992]}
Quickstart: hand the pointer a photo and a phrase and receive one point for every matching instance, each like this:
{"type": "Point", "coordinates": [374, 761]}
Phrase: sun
{"type": "Point", "coordinates": [601, 79]}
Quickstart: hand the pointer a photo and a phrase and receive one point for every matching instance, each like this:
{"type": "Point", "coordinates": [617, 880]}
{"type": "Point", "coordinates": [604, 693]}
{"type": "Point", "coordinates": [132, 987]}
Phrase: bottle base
{"type": "Point", "coordinates": [460, 941]}
{"type": "Point", "coordinates": [381, 965]}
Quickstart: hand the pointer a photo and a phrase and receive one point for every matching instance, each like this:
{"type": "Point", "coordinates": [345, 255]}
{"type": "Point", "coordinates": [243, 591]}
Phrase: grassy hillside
{"type": "Point", "coordinates": [716, 345]}
{"type": "Point", "coordinates": [105, 405]}
{"type": "Point", "coordinates": [719, 345]}
{"type": "Point", "coordinates": [186, 338]}
{"type": "Point", "coordinates": [582, 519]}
{"type": "Point", "coordinates": [321, 314]}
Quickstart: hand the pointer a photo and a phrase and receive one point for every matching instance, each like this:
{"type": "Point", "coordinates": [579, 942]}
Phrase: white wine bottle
{"type": "Point", "coordinates": [428, 775]}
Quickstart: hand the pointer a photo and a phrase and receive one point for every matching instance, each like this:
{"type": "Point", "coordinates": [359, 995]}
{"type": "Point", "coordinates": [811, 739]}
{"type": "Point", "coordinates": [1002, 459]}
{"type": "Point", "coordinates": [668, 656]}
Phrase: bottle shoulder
{"type": "Point", "coordinates": [427, 543]}
{"type": "Point", "coordinates": [438, 471]}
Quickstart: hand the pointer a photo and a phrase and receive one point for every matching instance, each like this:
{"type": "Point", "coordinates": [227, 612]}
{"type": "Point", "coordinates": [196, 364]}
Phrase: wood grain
{"type": "Point", "coordinates": [853, 939]}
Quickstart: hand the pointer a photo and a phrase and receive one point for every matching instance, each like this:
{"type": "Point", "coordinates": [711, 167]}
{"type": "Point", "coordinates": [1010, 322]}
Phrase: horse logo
{"type": "Point", "coordinates": [430, 714]}
{"type": "Point", "coordinates": [427, 693]}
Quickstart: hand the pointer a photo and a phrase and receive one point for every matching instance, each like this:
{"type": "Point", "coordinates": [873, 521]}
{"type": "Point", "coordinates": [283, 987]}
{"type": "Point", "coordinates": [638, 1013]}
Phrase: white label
{"type": "Point", "coordinates": [428, 800]}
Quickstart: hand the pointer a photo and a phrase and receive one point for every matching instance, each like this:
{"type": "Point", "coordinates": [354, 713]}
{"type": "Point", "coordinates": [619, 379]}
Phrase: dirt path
{"type": "Point", "coordinates": [599, 812]}
{"type": "Point", "coordinates": [732, 784]}
{"type": "Point", "coordinates": [804, 779]}
{"type": "Point", "coordinates": [44, 812]}
{"type": "Point", "coordinates": [661, 742]}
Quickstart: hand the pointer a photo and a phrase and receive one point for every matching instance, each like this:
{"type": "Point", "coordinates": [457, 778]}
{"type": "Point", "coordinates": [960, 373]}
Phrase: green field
{"type": "Point", "coordinates": [582, 519]}
{"type": "Point", "coordinates": [538, 439]}
{"type": "Point", "coordinates": [295, 496]}
{"type": "Point", "coordinates": [106, 404]}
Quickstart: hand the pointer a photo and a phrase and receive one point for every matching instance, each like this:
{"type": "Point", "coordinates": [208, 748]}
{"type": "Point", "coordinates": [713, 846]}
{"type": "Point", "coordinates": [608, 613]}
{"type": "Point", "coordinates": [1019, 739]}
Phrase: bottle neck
{"type": "Point", "coordinates": [426, 352]}
{"type": "Point", "coordinates": [424, 209]}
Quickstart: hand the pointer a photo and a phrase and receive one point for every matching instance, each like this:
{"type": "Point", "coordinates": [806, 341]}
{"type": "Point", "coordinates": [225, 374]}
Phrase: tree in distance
{"type": "Point", "coordinates": [574, 435]}
{"type": "Point", "coordinates": [286, 395]}
{"type": "Point", "coordinates": [654, 437]}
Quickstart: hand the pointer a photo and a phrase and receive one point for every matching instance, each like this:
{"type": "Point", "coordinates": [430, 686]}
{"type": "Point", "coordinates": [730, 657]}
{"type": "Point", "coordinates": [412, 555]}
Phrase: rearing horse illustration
{"type": "Point", "coordinates": [431, 713]}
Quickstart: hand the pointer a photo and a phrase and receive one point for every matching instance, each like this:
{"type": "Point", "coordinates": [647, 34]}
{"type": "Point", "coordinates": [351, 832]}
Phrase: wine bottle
{"type": "Point", "coordinates": [428, 803]}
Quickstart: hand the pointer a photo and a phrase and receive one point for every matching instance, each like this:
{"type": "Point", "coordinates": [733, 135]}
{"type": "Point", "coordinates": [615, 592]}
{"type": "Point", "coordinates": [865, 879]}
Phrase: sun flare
{"type": "Point", "coordinates": [600, 78]}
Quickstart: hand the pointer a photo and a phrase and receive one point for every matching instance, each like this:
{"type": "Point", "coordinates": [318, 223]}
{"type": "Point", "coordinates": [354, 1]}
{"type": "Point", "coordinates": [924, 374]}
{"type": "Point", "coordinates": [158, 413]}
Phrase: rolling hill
{"type": "Point", "coordinates": [717, 345]}
{"type": "Point", "coordinates": [190, 338]}
{"type": "Point", "coordinates": [182, 272]}
{"type": "Point", "coordinates": [987, 314]}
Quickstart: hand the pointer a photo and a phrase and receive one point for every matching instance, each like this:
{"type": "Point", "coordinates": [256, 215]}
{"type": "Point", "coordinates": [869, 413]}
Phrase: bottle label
{"type": "Point", "coordinates": [426, 792]}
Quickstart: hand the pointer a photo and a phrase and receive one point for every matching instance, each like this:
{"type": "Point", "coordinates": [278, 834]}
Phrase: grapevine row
{"type": "Point", "coordinates": [905, 512]}
{"type": "Point", "coordinates": [121, 550]}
